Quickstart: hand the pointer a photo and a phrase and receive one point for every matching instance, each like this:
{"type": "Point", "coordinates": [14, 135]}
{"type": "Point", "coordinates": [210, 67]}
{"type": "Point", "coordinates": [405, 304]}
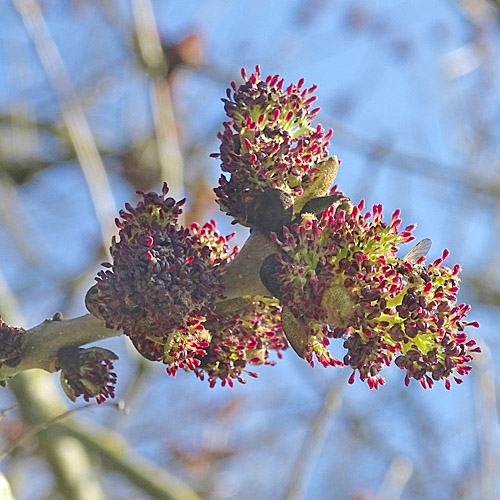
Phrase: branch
{"type": "Point", "coordinates": [41, 405]}
{"type": "Point", "coordinates": [313, 441]}
{"type": "Point", "coordinates": [117, 456]}
{"type": "Point", "coordinates": [44, 341]}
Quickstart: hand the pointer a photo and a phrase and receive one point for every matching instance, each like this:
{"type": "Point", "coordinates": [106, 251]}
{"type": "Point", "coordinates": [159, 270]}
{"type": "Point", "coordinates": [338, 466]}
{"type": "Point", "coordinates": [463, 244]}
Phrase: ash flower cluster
{"type": "Point", "coordinates": [331, 269]}
{"type": "Point", "coordinates": [268, 143]}
{"type": "Point", "coordinates": [87, 373]}
{"type": "Point", "coordinates": [340, 278]}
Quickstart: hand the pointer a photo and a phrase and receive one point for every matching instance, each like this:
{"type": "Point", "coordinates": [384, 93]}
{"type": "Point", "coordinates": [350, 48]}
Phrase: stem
{"type": "Point", "coordinates": [242, 277]}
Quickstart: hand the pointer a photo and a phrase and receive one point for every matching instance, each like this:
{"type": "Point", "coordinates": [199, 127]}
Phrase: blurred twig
{"type": "Point", "coordinates": [73, 115]}
{"type": "Point", "coordinates": [313, 442]}
{"type": "Point", "coordinates": [487, 422]}
{"type": "Point", "coordinates": [39, 405]}
{"type": "Point", "coordinates": [21, 230]}
{"type": "Point", "coordinates": [161, 100]}
{"type": "Point", "coordinates": [42, 406]}
{"type": "Point", "coordinates": [37, 428]}
{"type": "Point", "coordinates": [118, 456]}
{"type": "Point", "coordinates": [9, 309]}
{"type": "Point", "coordinates": [5, 491]}
{"type": "Point", "coordinates": [396, 478]}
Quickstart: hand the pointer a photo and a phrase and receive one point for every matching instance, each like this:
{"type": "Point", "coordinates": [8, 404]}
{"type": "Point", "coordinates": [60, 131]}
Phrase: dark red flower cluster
{"type": "Point", "coordinates": [341, 278]}
{"type": "Point", "coordinates": [11, 344]}
{"type": "Point", "coordinates": [87, 373]}
{"type": "Point", "coordinates": [164, 280]}
{"type": "Point", "coordinates": [268, 142]}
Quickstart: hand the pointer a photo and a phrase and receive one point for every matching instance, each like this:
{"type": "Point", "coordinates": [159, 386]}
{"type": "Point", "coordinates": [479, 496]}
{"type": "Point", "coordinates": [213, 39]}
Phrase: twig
{"type": "Point", "coordinates": [5, 491]}
{"type": "Point", "coordinates": [39, 404]}
{"type": "Point", "coordinates": [118, 456]}
{"type": "Point", "coordinates": [161, 100]}
{"type": "Point", "coordinates": [35, 429]}
{"type": "Point", "coordinates": [73, 115]}
{"type": "Point", "coordinates": [396, 478]}
{"type": "Point", "coordinates": [312, 443]}
{"type": "Point", "coordinates": [487, 423]}
{"type": "Point", "coordinates": [21, 227]}
{"type": "Point", "coordinates": [44, 341]}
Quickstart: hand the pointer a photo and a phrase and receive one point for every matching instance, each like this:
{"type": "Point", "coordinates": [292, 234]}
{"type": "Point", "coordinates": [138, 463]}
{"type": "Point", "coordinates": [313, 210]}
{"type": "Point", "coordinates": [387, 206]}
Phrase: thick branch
{"type": "Point", "coordinates": [116, 455]}
{"type": "Point", "coordinates": [39, 404]}
{"type": "Point", "coordinates": [44, 341]}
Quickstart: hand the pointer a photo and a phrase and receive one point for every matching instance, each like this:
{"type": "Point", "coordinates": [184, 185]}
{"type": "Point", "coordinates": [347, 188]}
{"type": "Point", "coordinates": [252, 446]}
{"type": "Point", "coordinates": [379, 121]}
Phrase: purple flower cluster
{"type": "Point", "coordinates": [340, 277]}
{"type": "Point", "coordinates": [164, 280]}
{"type": "Point", "coordinates": [268, 143]}
{"type": "Point", "coordinates": [162, 289]}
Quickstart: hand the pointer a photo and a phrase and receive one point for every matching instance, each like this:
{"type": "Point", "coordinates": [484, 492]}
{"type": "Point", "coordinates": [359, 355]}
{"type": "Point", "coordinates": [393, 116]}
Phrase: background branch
{"type": "Point", "coordinates": [73, 116]}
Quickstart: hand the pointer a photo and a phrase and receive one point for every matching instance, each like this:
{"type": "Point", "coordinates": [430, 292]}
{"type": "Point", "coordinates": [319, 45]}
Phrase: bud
{"type": "Point", "coordinates": [11, 344]}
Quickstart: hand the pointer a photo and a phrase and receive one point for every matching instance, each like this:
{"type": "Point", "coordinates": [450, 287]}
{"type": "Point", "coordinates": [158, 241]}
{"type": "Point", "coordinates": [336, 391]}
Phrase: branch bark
{"type": "Point", "coordinates": [44, 341]}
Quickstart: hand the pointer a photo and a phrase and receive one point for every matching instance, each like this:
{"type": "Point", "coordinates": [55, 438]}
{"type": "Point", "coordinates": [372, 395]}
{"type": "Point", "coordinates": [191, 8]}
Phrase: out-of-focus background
{"type": "Point", "coordinates": [99, 98]}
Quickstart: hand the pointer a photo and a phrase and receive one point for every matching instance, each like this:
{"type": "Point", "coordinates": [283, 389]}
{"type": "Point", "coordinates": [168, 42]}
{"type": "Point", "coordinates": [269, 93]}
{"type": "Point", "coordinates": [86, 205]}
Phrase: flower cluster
{"type": "Point", "coordinates": [87, 373]}
{"type": "Point", "coordinates": [331, 267]}
{"type": "Point", "coordinates": [163, 282]}
{"type": "Point", "coordinates": [339, 277]}
{"type": "Point", "coordinates": [268, 143]}
{"type": "Point", "coordinates": [241, 339]}
{"type": "Point", "coordinates": [11, 344]}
